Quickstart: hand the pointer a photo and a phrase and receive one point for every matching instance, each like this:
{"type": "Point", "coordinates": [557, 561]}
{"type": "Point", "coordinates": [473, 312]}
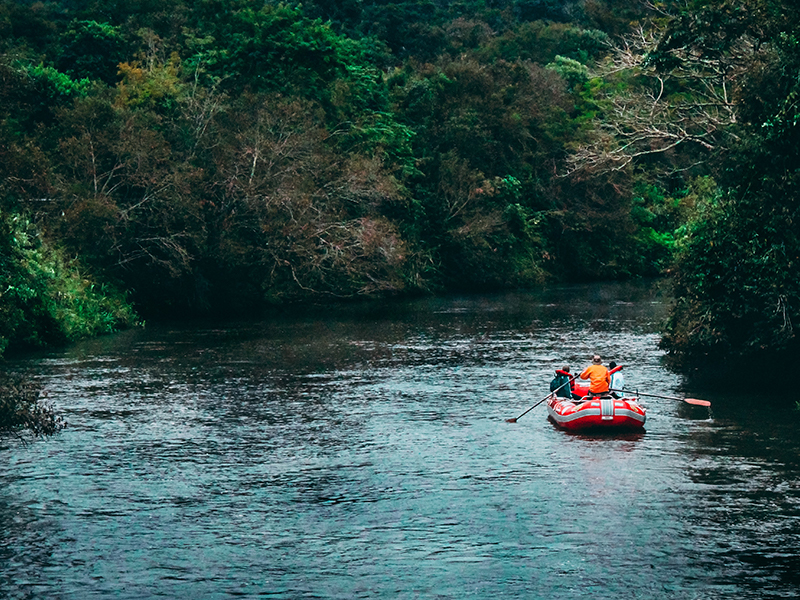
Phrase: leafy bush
{"type": "Point", "coordinates": [56, 85]}
{"type": "Point", "coordinates": [44, 298]}
{"type": "Point", "coordinates": [92, 49]}
{"type": "Point", "coordinates": [737, 281]}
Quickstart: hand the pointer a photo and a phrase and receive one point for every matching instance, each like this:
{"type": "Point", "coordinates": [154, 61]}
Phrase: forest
{"type": "Point", "coordinates": [164, 158]}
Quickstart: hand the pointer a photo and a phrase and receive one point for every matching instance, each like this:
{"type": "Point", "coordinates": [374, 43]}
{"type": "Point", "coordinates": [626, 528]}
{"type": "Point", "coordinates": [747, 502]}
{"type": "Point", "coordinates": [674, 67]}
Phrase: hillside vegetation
{"type": "Point", "coordinates": [231, 155]}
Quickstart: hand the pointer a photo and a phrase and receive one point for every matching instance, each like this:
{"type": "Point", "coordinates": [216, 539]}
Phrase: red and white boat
{"type": "Point", "coordinates": [617, 414]}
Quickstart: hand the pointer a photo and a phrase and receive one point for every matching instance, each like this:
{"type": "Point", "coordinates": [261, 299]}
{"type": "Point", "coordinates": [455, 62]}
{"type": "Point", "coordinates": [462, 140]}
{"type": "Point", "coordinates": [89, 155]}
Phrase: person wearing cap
{"type": "Point", "coordinates": [597, 375]}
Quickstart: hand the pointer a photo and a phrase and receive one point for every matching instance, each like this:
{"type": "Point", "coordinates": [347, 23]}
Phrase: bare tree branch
{"type": "Point", "coordinates": [662, 108]}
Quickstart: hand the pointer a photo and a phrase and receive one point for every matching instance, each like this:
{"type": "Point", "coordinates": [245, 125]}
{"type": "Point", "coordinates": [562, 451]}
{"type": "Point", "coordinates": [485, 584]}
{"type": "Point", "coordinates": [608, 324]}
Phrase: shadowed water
{"type": "Point", "coordinates": [362, 452]}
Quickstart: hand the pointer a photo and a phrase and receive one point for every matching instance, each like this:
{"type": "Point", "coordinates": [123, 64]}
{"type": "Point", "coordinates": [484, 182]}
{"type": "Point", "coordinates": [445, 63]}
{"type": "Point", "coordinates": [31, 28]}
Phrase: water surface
{"type": "Point", "coordinates": [363, 452]}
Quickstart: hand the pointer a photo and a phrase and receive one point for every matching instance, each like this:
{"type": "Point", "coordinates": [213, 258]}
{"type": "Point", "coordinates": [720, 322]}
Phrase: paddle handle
{"type": "Point", "coordinates": [514, 420]}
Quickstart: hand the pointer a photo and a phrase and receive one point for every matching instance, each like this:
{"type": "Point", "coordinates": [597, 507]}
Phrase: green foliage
{"type": "Point", "coordinates": [22, 409]}
{"type": "Point", "coordinates": [408, 28]}
{"type": "Point", "coordinates": [226, 155]}
{"type": "Point", "coordinates": [44, 299]}
{"type": "Point", "coordinates": [570, 70]}
{"type": "Point", "coordinates": [737, 287]}
{"type": "Point", "coordinates": [655, 216]}
{"type": "Point", "coordinates": [618, 17]}
{"type": "Point", "coordinates": [542, 41]}
{"type": "Point", "coordinates": [29, 95]}
{"type": "Point", "coordinates": [738, 296]}
{"type": "Point", "coordinates": [157, 87]}
{"type": "Point", "coordinates": [55, 85]}
{"type": "Point", "coordinates": [275, 48]}
{"type": "Point", "coordinates": [539, 10]}
{"type": "Point", "coordinates": [484, 133]}
{"type": "Point", "coordinates": [305, 220]}
{"type": "Point", "coordinates": [28, 26]}
{"type": "Point", "coordinates": [91, 49]}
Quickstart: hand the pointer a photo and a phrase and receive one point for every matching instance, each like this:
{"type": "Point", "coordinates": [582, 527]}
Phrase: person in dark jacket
{"type": "Point", "coordinates": [565, 381]}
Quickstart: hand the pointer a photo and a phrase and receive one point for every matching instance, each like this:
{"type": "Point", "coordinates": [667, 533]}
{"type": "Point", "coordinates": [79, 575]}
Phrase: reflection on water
{"type": "Point", "coordinates": [363, 452]}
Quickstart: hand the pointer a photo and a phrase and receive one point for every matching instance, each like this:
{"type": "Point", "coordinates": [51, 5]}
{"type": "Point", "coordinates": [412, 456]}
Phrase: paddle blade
{"type": "Point", "coordinates": [511, 420]}
{"type": "Point", "coordinates": [697, 402]}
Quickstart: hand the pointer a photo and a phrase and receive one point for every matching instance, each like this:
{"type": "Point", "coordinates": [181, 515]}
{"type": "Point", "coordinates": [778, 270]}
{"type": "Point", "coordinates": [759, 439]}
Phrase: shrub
{"type": "Point", "coordinates": [21, 408]}
{"type": "Point", "coordinates": [44, 298]}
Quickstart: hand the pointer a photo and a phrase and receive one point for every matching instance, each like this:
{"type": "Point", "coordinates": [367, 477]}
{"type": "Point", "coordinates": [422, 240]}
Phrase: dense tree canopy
{"type": "Point", "coordinates": [225, 155]}
{"type": "Point", "coordinates": [737, 284]}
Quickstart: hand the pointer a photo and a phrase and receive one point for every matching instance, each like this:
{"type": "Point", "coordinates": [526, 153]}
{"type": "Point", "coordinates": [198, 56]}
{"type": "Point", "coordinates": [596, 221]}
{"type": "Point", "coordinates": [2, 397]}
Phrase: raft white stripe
{"type": "Point", "coordinates": [595, 412]}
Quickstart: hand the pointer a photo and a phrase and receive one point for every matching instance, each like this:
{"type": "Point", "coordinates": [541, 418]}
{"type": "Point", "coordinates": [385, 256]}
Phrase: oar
{"type": "Point", "coordinates": [694, 401]}
{"type": "Point", "coordinates": [570, 380]}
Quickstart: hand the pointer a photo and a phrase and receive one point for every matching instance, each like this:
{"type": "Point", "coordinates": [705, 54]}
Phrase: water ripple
{"type": "Point", "coordinates": [366, 455]}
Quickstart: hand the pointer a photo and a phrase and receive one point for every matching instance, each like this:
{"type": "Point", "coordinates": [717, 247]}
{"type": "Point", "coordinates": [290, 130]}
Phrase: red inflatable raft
{"type": "Point", "coordinates": [596, 413]}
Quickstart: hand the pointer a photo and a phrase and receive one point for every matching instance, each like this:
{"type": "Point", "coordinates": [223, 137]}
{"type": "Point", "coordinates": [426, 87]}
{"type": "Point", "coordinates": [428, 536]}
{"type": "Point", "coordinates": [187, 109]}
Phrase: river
{"type": "Point", "coordinates": [363, 451]}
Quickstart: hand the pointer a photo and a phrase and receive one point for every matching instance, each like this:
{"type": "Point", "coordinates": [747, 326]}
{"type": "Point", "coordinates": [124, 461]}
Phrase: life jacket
{"type": "Point", "coordinates": [561, 378]}
{"type": "Point", "coordinates": [566, 374]}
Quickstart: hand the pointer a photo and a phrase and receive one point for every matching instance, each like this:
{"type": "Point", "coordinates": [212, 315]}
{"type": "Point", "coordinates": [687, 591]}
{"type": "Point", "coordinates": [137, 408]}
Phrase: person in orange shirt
{"type": "Point", "coordinates": [598, 377]}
